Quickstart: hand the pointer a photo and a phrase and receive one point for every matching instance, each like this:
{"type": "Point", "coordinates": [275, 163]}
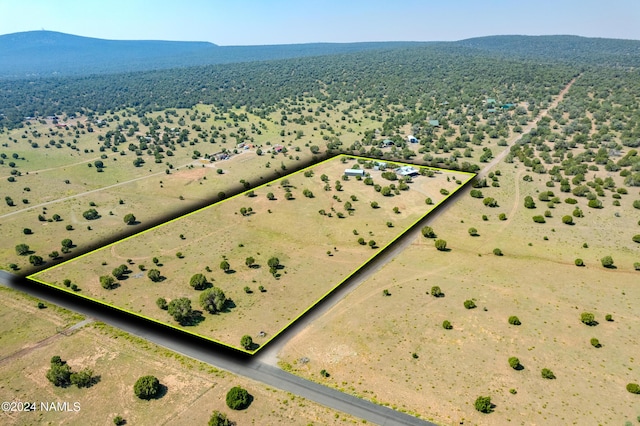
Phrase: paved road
{"type": "Point", "coordinates": [209, 353]}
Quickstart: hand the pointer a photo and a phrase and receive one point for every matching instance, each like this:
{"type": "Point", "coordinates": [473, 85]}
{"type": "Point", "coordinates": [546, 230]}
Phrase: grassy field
{"type": "Point", "coordinates": [59, 177]}
{"type": "Point", "coordinates": [278, 227]}
{"type": "Point", "coordinates": [535, 279]}
{"type": "Point", "coordinates": [193, 390]}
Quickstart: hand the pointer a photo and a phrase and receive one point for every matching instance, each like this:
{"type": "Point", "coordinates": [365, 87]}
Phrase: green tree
{"type": "Point", "coordinates": [219, 419]}
{"type": "Point", "coordinates": [427, 232]}
{"type": "Point", "coordinates": [249, 261]}
{"type": "Point", "coordinates": [270, 196]}
{"type": "Point", "coordinates": [547, 374]}
{"type": "Point", "coordinates": [567, 220]}
{"type": "Point", "coordinates": [198, 282]}
{"type": "Point", "coordinates": [129, 219]}
{"type": "Point", "coordinates": [473, 232]}
{"type": "Point", "coordinates": [372, 244]}
{"type": "Point", "coordinates": [224, 265]}
{"type": "Point", "coordinates": [59, 372]}
{"type": "Point", "coordinates": [91, 214]}
{"type": "Point", "coordinates": [154, 275]}
{"type": "Point", "coordinates": [588, 318]}
{"type": "Point", "coordinates": [238, 398]}
{"type": "Point", "coordinates": [607, 261]}
{"type": "Point", "coordinates": [514, 363]}
{"type": "Point", "coordinates": [161, 303]}
{"type": "Point", "coordinates": [595, 343]}
{"type": "Point", "coordinates": [213, 300]}
{"type": "Point", "coordinates": [497, 252]}
{"type": "Point", "coordinates": [514, 320]}
{"type": "Point", "coordinates": [579, 262]}
{"type": "Point", "coordinates": [120, 271]}
{"type": "Point", "coordinates": [529, 203]}
{"type": "Point", "coordinates": [180, 309]}
{"type": "Point", "coordinates": [82, 379]}
{"type": "Point", "coordinates": [22, 249]}
{"type": "Point", "coordinates": [441, 245]}
{"type": "Point", "coordinates": [446, 324]}
{"type": "Point", "coordinates": [469, 304]}
{"type": "Point", "coordinates": [273, 262]}
{"type": "Point", "coordinates": [36, 260]}
{"type": "Point", "coordinates": [633, 388]}
{"type": "Point", "coordinates": [483, 404]}
{"type": "Point", "coordinates": [246, 342]}
{"type": "Point", "coordinates": [436, 291]}
{"type": "Point", "coordinates": [107, 282]}
{"type": "Point", "coordinates": [147, 387]}
{"type": "Point", "coordinates": [67, 243]}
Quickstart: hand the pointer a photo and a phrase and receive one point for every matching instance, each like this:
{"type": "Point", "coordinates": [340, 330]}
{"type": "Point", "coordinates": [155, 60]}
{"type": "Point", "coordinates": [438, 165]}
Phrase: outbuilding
{"type": "Point", "coordinates": [354, 172]}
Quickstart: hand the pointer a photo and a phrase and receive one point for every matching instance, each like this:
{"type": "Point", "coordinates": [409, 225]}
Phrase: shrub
{"type": "Point", "coordinates": [219, 419]}
{"type": "Point", "coordinates": [636, 238]}
{"type": "Point", "coordinates": [607, 261]}
{"type": "Point", "coordinates": [60, 373]}
{"type": "Point", "coordinates": [473, 232]}
{"type": "Point", "coordinates": [441, 245]}
{"type": "Point", "coordinates": [497, 252]}
{"type": "Point", "coordinates": [447, 325]}
{"type": "Point", "coordinates": [427, 232]}
{"type": "Point", "coordinates": [238, 398]}
{"type": "Point", "coordinates": [547, 374]}
{"type": "Point", "coordinates": [538, 219]}
{"type": "Point", "coordinates": [490, 202]}
{"type": "Point", "coordinates": [514, 320]}
{"type": "Point", "coordinates": [385, 292]}
{"type": "Point", "coordinates": [436, 291]}
{"type": "Point", "coordinates": [502, 216]}
{"type": "Point", "coordinates": [119, 421]}
{"type": "Point", "coordinates": [198, 282]}
{"type": "Point", "coordinates": [595, 343]}
{"type": "Point", "coordinates": [483, 404]}
{"type": "Point", "coordinates": [107, 282]}
{"type": "Point", "coordinates": [324, 373]}
{"type": "Point", "coordinates": [529, 203]}
{"type": "Point", "coordinates": [588, 318]}
{"type": "Point", "coordinates": [146, 387]}
{"type": "Point", "coordinates": [514, 363]}
{"type": "Point", "coordinates": [469, 304]}
{"type": "Point", "coordinates": [567, 220]}
{"type": "Point", "coordinates": [579, 262]}
{"type": "Point", "coordinates": [161, 302]}
{"type": "Point", "coordinates": [82, 379]}
{"type": "Point", "coordinates": [633, 388]}
{"type": "Point", "coordinates": [608, 317]}
{"type": "Point", "coordinates": [246, 342]}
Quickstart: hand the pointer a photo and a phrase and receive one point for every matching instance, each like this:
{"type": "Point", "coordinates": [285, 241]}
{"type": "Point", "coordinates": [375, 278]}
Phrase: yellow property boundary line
{"type": "Point", "coordinates": [32, 277]}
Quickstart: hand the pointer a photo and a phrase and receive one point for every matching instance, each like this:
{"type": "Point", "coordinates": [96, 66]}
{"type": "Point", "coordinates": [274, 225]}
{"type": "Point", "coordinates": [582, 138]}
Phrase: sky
{"type": "Point", "coordinates": [255, 22]}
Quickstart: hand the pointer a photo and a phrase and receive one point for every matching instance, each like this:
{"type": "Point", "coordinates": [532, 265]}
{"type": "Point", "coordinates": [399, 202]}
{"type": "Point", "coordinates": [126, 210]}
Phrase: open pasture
{"type": "Point", "coordinates": [318, 226]}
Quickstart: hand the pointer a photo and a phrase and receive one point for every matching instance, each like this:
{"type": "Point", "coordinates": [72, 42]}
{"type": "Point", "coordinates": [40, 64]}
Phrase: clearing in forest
{"type": "Point", "coordinates": [274, 251]}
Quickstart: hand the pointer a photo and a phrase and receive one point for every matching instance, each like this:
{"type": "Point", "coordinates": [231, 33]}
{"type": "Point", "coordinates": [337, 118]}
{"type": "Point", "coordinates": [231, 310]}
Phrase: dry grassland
{"type": "Point", "coordinates": [367, 341]}
{"type": "Point", "coordinates": [317, 251]}
{"type": "Point", "coordinates": [193, 390]}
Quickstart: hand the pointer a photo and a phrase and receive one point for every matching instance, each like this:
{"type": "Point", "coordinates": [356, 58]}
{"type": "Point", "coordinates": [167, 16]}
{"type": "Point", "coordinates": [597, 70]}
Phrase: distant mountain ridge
{"type": "Point", "coordinates": [41, 54]}
{"type": "Point", "coordinates": [50, 53]}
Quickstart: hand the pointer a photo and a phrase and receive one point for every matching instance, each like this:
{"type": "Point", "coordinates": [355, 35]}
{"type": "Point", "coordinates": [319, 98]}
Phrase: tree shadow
{"type": "Point", "coordinates": [162, 391]}
{"type": "Point", "coordinates": [519, 367]}
{"type": "Point", "coordinates": [229, 304]}
{"type": "Point", "coordinates": [230, 271]}
{"type": "Point", "coordinates": [254, 266]}
{"type": "Point", "coordinates": [254, 346]}
{"type": "Point", "coordinates": [611, 266]}
{"type": "Point", "coordinates": [94, 380]}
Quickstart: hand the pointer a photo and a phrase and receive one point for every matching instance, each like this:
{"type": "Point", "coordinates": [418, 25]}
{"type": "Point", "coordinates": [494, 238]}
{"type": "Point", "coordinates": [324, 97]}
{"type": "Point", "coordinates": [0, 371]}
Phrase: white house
{"type": "Point", "coordinates": [354, 172]}
{"type": "Point", "coordinates": [407, 171]}
{"type": "Point", "coordinates": [412, 139]}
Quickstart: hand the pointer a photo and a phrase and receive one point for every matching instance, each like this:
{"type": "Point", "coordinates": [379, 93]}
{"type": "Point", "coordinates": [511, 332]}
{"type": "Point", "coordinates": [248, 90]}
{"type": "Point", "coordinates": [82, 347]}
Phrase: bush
{"type": "Point", "coordinates": [107, 282]}
{"type": "Point", "coordinates": [60, 373]}
{"type": "Point", "coordinates": [538, 219]}
{"type": "Point", "coordinates": [514, 320]}
{"type": "Point", "coordinates": [608, 317]}
{"type": "Point", "coordinates": [547, 374]}
{"type": "Point", "coordinates": [595, 343]}
{"type": "Point", "coordinates": [483, 404]}
{"type": "Point", "coordinates": [198, 282]}
{"type": "Point", "coordinates": [219, 419]}
{"type": "Point", "coordinates": [436, 291]}
{"type": "Point", "coordinates": [502, 216]}
{"type": "Point", "coordinates": [119, 421]}
{"type": "Point", "coordinates": [567, 220]}
{"type": "Point", "coordinates": [427, 232]}
{"type": "Point", "coordinates": [161, 302]}
{"type": "Point", "coordinates": [246, 342]}
{"type": "Point", "coordinates": [514, 363]}
{"type": "Point", "coordinates": [238, 398]}
{"type": "Point", "coordinates": [607, 261]}
{"type": "Point", "coordinates": [636, 238]}
{"type": "Point", "coordinates": [497, 252]}
{"type": "Point", "coordinates": [588, 318]}
{"type": "Point", "coordinates": [447, 325]}
{"type": "Point", "coordinates": [147, 387]}
{"type": "Point", "coordinates": [633, 388]}
{"type": "Point", "coordinates": [579, 262]}
{"type": "Point", "coordinates": [473, 232]}
{"type": "Point", "coordinates": [82, 379]}
{"type": "Point", "coordinates": [441, 245]}
{"type": "Point", "coordinates": [469, 304]}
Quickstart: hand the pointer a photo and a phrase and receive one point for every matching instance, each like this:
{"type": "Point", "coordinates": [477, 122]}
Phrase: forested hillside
{"type": "Point", "coordinates": [44, 54]}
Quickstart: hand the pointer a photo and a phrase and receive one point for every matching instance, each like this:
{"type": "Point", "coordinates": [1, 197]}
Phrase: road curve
{"type": "Point", "coordinates": [211, 354]}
